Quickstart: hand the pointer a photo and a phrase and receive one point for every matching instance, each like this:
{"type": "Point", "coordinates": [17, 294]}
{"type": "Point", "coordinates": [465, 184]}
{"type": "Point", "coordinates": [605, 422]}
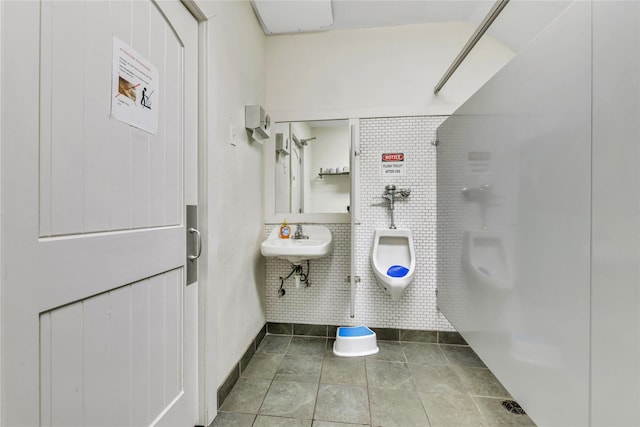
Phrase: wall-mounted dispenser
{"type": "Point", "coordinates": [258, 121]}
{"type": "Point", "coordinates": [282, 144]}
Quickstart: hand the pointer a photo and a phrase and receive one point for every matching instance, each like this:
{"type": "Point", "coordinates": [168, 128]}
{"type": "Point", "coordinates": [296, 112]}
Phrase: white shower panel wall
{"type": "Point", "coordinates": [541, 166]}
{"type": "Point", "coordinates": [522, 144]}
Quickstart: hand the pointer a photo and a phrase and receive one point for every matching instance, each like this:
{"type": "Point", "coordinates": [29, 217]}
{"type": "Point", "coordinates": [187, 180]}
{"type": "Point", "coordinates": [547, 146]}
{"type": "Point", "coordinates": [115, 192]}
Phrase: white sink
{"type": "Point", "coordinates": [297, 250]}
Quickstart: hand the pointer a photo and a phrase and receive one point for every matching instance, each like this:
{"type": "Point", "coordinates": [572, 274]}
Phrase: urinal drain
{"type": "Point", "coordinates": [513, 407]}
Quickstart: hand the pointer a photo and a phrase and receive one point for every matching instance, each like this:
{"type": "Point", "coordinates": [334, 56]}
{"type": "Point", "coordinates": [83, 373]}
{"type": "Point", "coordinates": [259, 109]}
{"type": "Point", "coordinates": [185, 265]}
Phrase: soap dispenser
{"type": "Point", "coordinates": [285, 230]}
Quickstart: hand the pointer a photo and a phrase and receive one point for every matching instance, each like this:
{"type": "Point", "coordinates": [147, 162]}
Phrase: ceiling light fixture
{"type": "Point", "coordinates": [293, 16]}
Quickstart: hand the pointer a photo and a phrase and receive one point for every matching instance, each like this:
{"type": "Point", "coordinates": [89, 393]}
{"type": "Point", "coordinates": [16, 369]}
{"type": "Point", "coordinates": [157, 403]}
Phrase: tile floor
{"type": "Point", "coordinates": [298, 381]}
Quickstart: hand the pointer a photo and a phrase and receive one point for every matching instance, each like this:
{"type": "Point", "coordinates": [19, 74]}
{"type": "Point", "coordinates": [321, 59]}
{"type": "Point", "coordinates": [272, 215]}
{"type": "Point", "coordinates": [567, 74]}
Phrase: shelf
{"type": "Point", "coordinates": [321, 174]}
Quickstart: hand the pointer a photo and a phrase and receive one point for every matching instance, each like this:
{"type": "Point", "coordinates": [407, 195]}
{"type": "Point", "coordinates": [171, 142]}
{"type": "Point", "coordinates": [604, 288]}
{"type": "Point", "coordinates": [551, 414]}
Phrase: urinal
{"type": "Point", "coordinates": [393, 260]}
{"type": "Point", "coordinates": [484, 259]}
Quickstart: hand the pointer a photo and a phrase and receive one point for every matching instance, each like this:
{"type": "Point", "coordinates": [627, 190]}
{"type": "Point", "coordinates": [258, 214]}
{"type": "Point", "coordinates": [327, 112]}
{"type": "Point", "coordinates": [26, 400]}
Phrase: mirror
{"type": "Point", "coordinates": [312, 172]}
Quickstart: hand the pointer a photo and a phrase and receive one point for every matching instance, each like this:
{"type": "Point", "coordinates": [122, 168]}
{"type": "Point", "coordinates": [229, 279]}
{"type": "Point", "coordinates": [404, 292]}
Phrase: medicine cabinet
{"type": "Point", "coordinates": [311, 181]}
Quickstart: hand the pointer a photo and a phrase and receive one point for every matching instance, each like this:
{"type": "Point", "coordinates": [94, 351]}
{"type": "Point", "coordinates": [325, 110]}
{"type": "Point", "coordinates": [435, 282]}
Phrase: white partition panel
{"type": "Point", "coordinates": [538, 255]}
{"type": "Point", "coordinates": [514, 216]}
{"type": "Point", "coordinates": [615, 270]}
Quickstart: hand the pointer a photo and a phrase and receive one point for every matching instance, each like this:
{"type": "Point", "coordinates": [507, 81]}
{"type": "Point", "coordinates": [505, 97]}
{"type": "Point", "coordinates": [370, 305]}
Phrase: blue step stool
{"type": "Point", "coordinates": [353, 341]}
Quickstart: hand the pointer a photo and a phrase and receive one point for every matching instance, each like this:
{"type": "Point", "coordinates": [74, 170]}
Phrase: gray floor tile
{"type": "Point", "coordinates": [306, 346]}
{"type": "Point", "coordinates": [267, 421]}
{"type": "Point", "coordinates": [396, 408]}
{"type": "Point", "coordinates": [233, 419]}
{"type": "Point", "coordinates": [299, 368]}
{"type": "Point", "coordinates": [424, 353]}
{"type": "Point", "coordinates": [497, 415]}
{"type": "Point", "coordinates": [246, 396]}
{"type": "Point", "coordinates": [328, 352]}
{"type": "Point", "coordinates": [263, 365]}
{"type": "Point", "coordinates": [436, 379]}
{"type": "Point", "coordinates": [462, 356]}
{"type": "Point", "coordinates": [342, 403]}
{"type": "Point", "coordinates": [446, 410]}
{"type": "Point", "coordinates": [389, 375]}
{"type": "Point", "coordinates": [227, 384]}
{"type": "Point", "coordinates": [299, 382]}
{"type": "Point", "coordinates": [274, 344]}
{"type": "Point", "coordinates": [389, 352]}
{"type": "Point", "coordinates": [332, 424]}
{"type": "Point", "coordinates": [290, 399]}
{"type": "Point", "coordinates": [343, 370]}
{"type": "Point", "coordinates": [481, 382]}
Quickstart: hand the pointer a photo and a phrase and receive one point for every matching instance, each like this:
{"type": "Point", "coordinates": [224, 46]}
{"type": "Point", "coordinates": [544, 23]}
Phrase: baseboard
{"type": "Point", "coordinates": [384, 334]}
{"type": "Point", "coordinates": [232, 377]}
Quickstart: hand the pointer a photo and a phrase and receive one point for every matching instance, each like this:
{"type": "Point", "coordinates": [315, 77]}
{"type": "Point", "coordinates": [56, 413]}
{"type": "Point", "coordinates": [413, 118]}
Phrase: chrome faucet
{"type": "Point", "coordinates": [299, 234]}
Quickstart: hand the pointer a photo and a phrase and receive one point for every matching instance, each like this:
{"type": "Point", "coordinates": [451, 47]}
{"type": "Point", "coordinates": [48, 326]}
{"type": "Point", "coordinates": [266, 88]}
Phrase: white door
{"type": "Point", "coordinates": [98, 325]}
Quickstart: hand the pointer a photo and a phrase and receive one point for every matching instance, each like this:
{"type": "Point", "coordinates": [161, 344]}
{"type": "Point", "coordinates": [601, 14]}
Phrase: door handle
{"type": "Point", "coordinates": [192, 258]}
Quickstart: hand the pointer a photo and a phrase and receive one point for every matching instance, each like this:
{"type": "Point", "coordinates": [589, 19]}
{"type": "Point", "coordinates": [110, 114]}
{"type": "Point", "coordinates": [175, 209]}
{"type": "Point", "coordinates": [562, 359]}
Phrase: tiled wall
{"type": "Point", "coordinates": [475, 165]}
{"type": "Point", "coordinates": [327, 300]}
{"type": "Point", "coordinates": [411, 136]}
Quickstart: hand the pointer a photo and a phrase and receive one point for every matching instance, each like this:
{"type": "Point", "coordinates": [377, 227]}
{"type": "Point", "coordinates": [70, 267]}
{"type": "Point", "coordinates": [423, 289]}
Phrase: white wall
{"type": "Point", "coordinates": [377, 72]}
{"type": "Point", "coordinates": [235, 181]}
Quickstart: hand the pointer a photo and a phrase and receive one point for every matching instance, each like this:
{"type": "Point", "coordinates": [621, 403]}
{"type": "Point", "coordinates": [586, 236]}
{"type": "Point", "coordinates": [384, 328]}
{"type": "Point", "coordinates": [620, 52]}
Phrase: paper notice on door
{"type": "Point", "coordinates": [135, 81]}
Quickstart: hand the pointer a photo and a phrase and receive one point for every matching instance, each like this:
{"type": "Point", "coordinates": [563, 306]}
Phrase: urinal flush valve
{"type": "Point", "coordinates": [390, 193]}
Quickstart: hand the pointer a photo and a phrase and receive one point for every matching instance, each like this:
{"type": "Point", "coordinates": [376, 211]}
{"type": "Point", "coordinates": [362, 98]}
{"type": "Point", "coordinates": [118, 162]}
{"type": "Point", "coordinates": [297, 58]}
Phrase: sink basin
{"type": "Point", "coordinates": [297, 250]}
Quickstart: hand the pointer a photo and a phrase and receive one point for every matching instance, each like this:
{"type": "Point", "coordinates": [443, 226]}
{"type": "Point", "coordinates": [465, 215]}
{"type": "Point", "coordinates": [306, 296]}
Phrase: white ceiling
{"type": "Point", "coordinates": [519, 22]}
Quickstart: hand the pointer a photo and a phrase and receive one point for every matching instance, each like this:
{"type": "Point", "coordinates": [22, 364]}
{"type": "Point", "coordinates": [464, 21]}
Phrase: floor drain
{"type": "Point", "coordinates": [513, 407]}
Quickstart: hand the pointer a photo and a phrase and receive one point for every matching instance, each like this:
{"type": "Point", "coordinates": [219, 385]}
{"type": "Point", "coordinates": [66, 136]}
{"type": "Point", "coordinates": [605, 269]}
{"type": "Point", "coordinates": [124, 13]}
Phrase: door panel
{"type": "Point", "coordinates": [73, 260]}
{"type": "Point", "coordinates": [98, 326]}
{"type": "Point", "coordinates": [98, 174]}
{"type": "Point", "coordinates": [115, 357]}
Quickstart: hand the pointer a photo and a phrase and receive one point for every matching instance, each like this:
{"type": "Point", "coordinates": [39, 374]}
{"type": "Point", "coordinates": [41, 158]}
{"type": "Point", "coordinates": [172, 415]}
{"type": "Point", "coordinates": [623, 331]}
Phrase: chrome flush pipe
{"type": "Point", "coordinates": [390, 193]}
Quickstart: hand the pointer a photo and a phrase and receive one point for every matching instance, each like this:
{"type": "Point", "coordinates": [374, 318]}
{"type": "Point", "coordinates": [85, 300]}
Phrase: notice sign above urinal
{"type": "Point", "coordinates": [392, 164]}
